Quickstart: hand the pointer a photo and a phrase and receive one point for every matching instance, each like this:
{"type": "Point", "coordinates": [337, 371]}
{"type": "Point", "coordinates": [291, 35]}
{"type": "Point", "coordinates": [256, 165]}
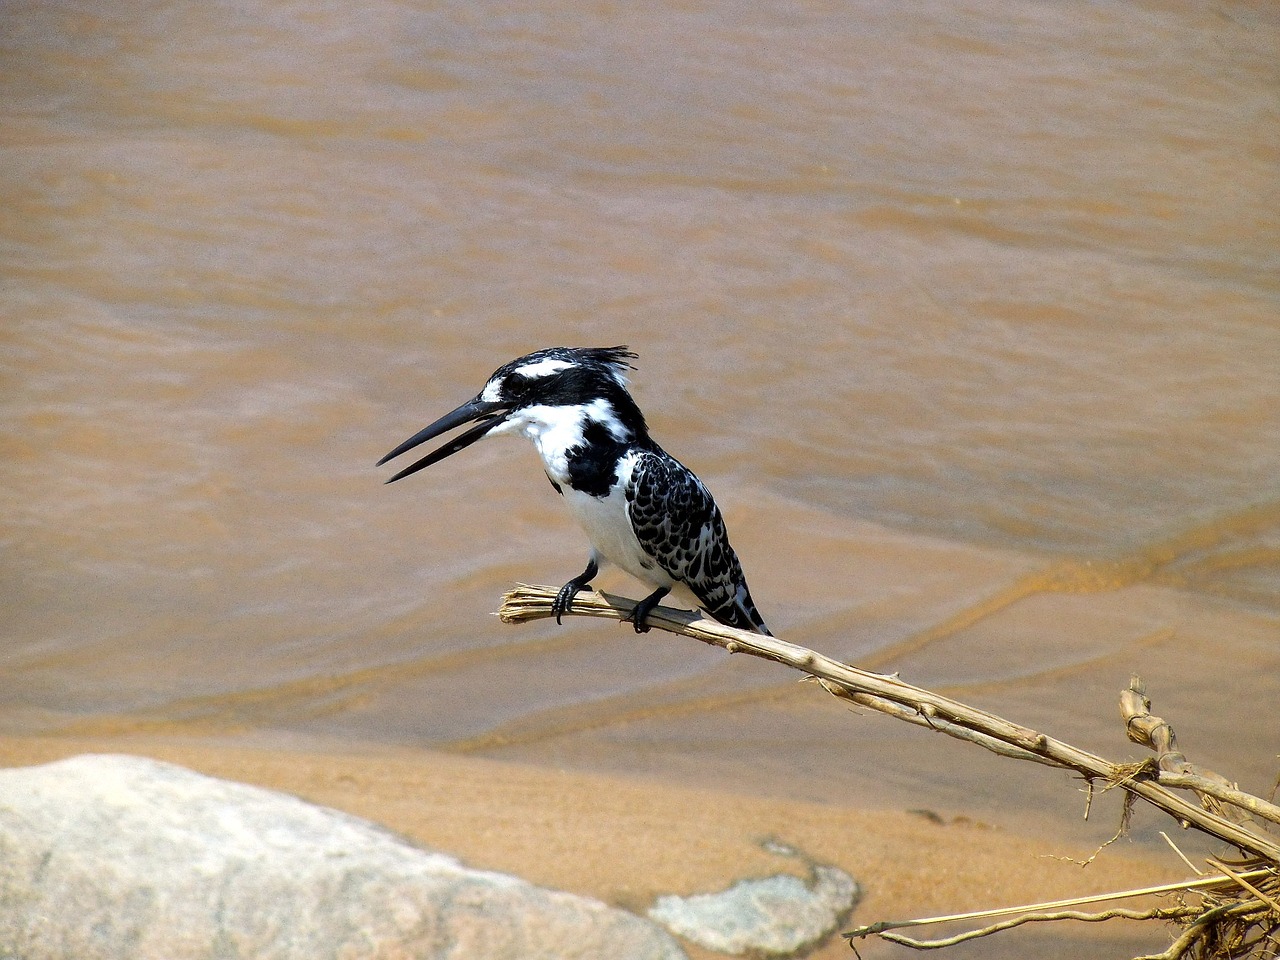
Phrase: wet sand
{"type": "Point", "coordinates": [627, 841]}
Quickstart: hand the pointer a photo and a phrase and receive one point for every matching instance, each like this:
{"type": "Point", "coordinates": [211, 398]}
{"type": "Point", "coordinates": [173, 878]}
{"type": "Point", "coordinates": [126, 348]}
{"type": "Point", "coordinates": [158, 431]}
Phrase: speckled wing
{"type": "Point", "coordinates": [678, 524]}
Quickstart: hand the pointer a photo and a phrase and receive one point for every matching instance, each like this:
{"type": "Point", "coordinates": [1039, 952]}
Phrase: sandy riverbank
{"type": "Point", "coordinates": [627, 841]}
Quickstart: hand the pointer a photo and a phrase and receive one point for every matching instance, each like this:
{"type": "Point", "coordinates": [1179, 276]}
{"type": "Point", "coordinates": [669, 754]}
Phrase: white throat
{"type": "Point", "coordinates": [556, 430]}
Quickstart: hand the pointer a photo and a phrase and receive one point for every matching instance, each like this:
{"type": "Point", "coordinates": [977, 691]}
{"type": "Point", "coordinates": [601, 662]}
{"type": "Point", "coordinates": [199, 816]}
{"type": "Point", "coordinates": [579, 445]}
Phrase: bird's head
{"type": "Point", "coordinates": [538, 390]}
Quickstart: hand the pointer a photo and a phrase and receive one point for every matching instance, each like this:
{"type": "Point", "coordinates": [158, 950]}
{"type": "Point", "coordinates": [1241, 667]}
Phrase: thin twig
{"type": "Point", "coordinates": [1126, 815]}
{"type": "Point", "coordinates": [1169, 840]}
{"type": "Point", "coordinates": [1182, 886]}
{"type": "Point", "coordinates": [1118, 913]}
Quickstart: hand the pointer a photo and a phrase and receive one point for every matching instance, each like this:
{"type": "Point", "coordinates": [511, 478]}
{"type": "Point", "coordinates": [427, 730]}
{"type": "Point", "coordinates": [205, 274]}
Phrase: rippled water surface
{"type": "Point", "coordinates": [970, 314]}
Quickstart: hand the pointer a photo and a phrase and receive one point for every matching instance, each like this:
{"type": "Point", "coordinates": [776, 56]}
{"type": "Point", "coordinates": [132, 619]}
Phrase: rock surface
{"type": "Point", "coordinates": [780, 916]}
{"type": "Point", "coordinates": [112, 856]}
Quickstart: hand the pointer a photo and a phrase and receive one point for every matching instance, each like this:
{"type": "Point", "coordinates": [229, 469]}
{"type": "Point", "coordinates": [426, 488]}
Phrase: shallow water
{"type": "Point", "coordinates": [969, 314]}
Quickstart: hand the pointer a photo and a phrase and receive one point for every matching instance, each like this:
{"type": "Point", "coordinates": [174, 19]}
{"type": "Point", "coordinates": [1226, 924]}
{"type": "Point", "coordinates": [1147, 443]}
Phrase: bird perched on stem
{"type": "Point", "coordinates": [641, 508]}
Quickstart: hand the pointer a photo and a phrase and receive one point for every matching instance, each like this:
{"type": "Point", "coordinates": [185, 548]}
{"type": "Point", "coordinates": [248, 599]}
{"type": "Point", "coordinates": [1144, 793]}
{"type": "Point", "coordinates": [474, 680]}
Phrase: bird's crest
{"type": "Point", "coordinates": [610, 361]}
{"type": "Point", "coordinates": [615, 360]}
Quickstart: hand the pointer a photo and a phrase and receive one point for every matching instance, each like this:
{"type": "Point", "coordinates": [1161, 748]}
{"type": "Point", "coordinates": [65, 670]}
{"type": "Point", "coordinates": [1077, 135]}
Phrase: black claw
{"type": "Point", "coordinates": [563, 602]}
{"type": "Point", "coordinates": [640, 614]}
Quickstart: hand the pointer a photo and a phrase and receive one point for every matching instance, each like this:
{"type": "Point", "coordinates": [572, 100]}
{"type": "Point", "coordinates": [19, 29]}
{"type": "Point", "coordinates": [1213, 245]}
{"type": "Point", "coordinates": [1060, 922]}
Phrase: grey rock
{"type": "Point", "coordinates": [106, 857]}
{"type": "Point", "coordinates": [778, 916]}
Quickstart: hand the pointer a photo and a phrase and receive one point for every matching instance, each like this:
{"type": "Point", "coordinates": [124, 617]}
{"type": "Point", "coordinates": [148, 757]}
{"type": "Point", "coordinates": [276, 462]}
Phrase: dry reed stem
{"type": "Point", "coordinates": [1240, 914]}
{"type": "Point", "coordinates": [1175, 770]}
{"type": "Point", "coordinates": [904, 701]}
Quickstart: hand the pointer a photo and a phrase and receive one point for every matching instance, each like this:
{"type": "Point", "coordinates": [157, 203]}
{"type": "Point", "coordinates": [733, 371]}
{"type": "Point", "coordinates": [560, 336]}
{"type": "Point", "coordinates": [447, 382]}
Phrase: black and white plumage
{"type": "Point", "coordinates": [641, 508]}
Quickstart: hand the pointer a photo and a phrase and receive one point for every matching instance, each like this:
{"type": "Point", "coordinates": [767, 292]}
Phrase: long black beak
{"type": "Point", "coordinates": [489, 415]}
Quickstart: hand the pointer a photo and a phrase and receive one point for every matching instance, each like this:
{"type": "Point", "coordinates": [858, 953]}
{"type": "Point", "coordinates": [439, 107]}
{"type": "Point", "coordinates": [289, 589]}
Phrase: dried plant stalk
{"type": "Point", "coordinates": [1216, 792]}
{"type": "Point", "coordinates": [1239, 916]}
{"type": "Point", "coordinates": [896, 698]}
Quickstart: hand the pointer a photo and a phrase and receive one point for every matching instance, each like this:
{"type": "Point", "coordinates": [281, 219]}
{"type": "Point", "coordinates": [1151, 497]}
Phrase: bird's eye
{"type": "Point", "coordinates": [515, 385]}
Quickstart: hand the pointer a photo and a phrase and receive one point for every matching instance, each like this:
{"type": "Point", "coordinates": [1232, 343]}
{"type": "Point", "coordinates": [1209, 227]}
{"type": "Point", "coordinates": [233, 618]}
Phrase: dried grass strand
{"type": "Point", "coordinates": [1199, 884]}
{"type": "Point", "coordinates": [1118, 913]}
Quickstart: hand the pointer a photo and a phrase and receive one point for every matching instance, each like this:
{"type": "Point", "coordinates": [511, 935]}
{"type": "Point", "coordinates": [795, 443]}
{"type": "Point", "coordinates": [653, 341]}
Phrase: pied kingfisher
{"type": "Point", "coordinates": [641, 508]}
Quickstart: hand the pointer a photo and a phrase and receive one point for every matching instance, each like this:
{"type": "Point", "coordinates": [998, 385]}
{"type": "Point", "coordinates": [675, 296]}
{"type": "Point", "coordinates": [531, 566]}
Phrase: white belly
{"type": "Point", "coordinates": [554, 432]}
{"type": "Point", "coordinates": [609, 529]}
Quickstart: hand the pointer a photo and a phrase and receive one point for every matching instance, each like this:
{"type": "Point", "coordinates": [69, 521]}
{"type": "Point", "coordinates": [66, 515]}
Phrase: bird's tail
{"type": "Point", "coordinates": [740, 612]}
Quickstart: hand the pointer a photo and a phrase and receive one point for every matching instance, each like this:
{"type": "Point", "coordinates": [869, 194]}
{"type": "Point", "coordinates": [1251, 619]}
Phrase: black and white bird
{"type": "Point", "coordinates": [641, 508]}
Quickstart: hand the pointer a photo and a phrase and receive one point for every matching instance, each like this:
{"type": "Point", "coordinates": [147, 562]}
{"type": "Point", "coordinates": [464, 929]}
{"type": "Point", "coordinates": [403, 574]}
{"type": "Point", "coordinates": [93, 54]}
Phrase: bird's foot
{"type": "Point", "coordinates": [640, 614]}
{"type": "Point", "coordinates": [563, 602]}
